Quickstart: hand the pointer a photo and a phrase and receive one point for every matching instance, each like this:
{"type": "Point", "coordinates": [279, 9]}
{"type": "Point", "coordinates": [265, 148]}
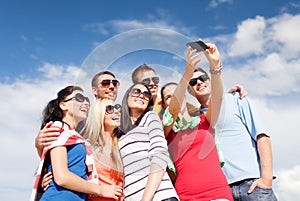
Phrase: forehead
{"type": "Point", "coordinates": [141, 87]}
{"type": "Point", "coordinates": [169, 89]}
{"type": "Point", "coordinates": [76, 92]}
{"type": "Point", "coordinates": [105, 77]}
{"type": "Point", "coordinates": [197, 74]}
{"type": "Point", "coordinates": [146, 74]}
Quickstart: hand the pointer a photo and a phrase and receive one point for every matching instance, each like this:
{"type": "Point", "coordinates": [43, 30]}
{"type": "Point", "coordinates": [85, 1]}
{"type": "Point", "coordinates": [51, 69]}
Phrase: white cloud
{"type": "Point", "coordinates": [21, 103]}
{"type": "Point", "coordinates": [249, 37]}
{"type": "Point", "coordinates": [264, 55]}
{"type": "Point", "coordinates": [162, 20]}
{"type": "Point", "coordinates": [272, 73]}
{"type": "Point", "coordinates": [286, 30]}
{"type": "Point", "coordinates": [289, 184]}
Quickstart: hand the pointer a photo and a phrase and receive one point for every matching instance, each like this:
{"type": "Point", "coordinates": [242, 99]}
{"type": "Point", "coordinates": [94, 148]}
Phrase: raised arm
{"type": "Point", "coordinates": [192, 59]}
{"type": "Point", "coordinates": [213, 56]}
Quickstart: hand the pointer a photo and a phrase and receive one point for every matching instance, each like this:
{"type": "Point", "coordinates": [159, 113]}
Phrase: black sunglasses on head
{"type": "Point", "coordinates": [112, 108]}
{"type": "Point", "coordinates": [136, 92]}
{"type": "Point", "coordinates": [106, 83]}
{"type": "Point", "coordinates": [147, 81]}
{"type": "Point", "coordinates": [79, 98]}
{"type": "Point", "coordinates": [202, 78]}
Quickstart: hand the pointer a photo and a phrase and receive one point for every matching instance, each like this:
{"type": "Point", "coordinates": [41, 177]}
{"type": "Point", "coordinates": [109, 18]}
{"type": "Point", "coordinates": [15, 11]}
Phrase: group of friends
{"type": "Point", "coordinates": [154, 148]}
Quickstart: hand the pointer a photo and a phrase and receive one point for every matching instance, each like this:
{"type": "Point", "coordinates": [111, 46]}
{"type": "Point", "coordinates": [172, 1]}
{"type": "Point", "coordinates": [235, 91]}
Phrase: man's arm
{"type": "Point", "coordinates": [266, 160]}
{"type": "Point", "coordinates": [45, 137]}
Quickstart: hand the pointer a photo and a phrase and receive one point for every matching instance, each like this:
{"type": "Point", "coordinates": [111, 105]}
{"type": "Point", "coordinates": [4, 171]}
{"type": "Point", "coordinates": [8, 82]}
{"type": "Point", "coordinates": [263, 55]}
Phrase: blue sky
{"type": "Point", "coordinates": [62, 32]}
{"type": "Point", "coordinates": [46, 45]}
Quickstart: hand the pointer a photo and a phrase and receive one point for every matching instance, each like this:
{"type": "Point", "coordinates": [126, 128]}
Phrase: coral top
{"type": "Point", "coordinates": [107, 177]}
{"type": "Point", "coordinates": [200, 176]}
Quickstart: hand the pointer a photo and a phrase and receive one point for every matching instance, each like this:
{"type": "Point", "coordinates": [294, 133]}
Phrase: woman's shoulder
{"type": "Point", "coordinates": [149, 118]}
{"type": "Point", "coordinates": [62, 125]}
{"type": "Point", "coordinates": [152, 115]}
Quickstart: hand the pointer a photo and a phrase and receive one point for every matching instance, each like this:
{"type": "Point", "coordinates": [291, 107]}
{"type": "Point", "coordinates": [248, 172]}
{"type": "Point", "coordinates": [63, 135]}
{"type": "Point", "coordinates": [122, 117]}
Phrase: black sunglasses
{"type": "Point", "coordinates": [106, 83]}
{"type": "Point", "coordinates": [202, 78]}
{"type": "Point", "coordinates": [147, 81]}
{"type": "Point", "coordinates": [112, 108]}
{"type": "Point", "coordinates": [79, 97]}
{"type": "Point", "coordinates": [136, 92]}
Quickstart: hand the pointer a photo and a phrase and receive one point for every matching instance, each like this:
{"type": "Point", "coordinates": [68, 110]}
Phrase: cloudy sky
{"type": "Point", "coordinates": [46, 45]}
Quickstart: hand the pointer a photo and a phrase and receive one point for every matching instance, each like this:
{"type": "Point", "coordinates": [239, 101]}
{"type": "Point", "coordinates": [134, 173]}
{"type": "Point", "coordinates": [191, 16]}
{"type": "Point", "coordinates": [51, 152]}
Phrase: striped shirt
{"type": "Point", "coordinates": [140, 147]}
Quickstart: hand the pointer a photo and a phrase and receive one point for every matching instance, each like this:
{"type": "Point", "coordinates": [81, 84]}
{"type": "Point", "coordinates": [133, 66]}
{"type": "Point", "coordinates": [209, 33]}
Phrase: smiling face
{"type": "Point", "coordinates": [138, 98]}
{"type": "Point", "coordinates": [167, 95]}
{"type": "Point", "coordinates": [112, 116]}
{"type": "Point", "coordinates": [104, 90]}
{"type": "Point", "coordinates": [201, 87]}
{"type": "Point", "coordinates": [74, 108]}
{"type": "Point", "coordinates": [149, 75]}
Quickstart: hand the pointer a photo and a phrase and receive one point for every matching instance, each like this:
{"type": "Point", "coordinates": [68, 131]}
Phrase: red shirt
{"type": "Point", "coordinates": [200, 176]}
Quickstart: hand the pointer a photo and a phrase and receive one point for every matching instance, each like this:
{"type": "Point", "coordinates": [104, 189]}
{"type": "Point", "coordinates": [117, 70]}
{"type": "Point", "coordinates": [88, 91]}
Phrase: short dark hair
{"type": "Point", "coordinates": [95, 78]}
{"type": "Point", "coordinates": [201, 70]}
{"type": "Point", "coordinates": [140, 69]}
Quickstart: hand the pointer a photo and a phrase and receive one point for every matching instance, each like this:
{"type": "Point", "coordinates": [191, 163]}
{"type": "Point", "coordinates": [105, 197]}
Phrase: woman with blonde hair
{"type": "Point", "coordinates": [101, 131]}
{"type": "Point", "coordinates": [68, 157]}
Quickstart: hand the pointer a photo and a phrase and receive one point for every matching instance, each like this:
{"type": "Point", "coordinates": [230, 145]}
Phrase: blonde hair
{"type": "Point", "coordinates": [94, 133]}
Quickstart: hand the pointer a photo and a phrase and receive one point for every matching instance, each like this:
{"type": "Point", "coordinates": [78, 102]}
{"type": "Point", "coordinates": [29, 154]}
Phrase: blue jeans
{"type": "Point", "coordinates": [240, 192]}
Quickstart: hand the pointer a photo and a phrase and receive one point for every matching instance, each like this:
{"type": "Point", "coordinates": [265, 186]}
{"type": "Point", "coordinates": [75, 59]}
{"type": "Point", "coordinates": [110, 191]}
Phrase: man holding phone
{"type": "Point", "coordinates": [243, 140]}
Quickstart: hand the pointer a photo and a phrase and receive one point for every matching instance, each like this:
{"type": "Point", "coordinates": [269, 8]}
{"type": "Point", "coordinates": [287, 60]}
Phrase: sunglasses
{"type": "Point", "coordinates": [147, 81]}
{"type": "Point", "coordinates": [136, 92]}
{"type": "Point", "coordinates": [202, 78]}
{"type": "Point", "coordinates": [110, 109]}
{"type": "Point", "coordinates": [79, 98]}
{"type": "Point", "coordinates": [106, 83]}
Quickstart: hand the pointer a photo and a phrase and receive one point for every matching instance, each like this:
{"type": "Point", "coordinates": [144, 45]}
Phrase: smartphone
{"type": "Point", "coordinates": [198, 45]}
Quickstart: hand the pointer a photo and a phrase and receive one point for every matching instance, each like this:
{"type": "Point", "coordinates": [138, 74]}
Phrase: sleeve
{"type": "Point", "coordinates": [251, 118]}
{"type": "Point", "coordinates": [158, 148]}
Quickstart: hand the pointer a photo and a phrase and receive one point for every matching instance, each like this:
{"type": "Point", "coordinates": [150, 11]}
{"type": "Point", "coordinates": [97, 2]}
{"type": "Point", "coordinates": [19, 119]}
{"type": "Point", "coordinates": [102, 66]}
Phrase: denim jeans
{"type": "Point", "coordinates": [171, 199]}
{"type": "Point", "coordinates": [240, 192]}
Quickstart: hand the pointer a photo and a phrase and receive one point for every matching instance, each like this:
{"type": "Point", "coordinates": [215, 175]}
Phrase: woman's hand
{"type": "Point", "coordinates": [110, 191]}
{"type": "Point", "coordinates": [47, 178]}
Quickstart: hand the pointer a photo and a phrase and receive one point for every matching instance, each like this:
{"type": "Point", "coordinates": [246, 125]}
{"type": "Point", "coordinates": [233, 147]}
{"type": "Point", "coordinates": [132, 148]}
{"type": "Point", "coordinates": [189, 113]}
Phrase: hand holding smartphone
{"type": "Point", "coordinates": [198, 45]}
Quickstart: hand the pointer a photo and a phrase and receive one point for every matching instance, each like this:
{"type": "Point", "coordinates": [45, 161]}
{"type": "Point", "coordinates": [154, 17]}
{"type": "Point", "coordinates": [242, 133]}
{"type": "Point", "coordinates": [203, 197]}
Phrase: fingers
{"type": "Point", "coordinates": [192, 57]}
{"type": "Point", "coordinates": [252, 187]}
{"type": "Point", "coordinates": [118, 192]}
{"type": "Point", "coordinates": [239, 88]}
{"type": "Point", "coordinates": [46, 180]}
{"type": "Point", "coordinates": [47, 135]}
{"type": "Point", "coordinates": [48, 125]}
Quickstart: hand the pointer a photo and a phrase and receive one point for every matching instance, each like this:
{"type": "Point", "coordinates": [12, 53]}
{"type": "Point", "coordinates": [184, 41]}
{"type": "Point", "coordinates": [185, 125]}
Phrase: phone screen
{"type": "Point", "coordinates": [198, 45]}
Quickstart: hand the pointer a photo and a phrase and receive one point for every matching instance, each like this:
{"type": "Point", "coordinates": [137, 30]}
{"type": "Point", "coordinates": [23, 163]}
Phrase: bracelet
{"type": "Point", "coordinates": [216, 70]}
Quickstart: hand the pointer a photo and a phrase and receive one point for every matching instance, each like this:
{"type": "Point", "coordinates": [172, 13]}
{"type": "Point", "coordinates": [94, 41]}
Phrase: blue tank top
{"type": "Point", "coordinates": [76, 164]}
